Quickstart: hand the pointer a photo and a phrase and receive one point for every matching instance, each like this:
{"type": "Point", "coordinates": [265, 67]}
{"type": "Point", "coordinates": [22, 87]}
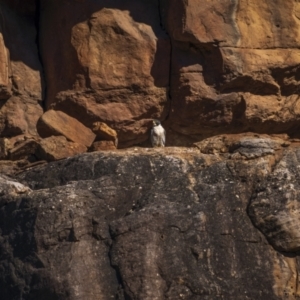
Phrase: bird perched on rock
{"type": "Point", "coordinates": [158, 134]}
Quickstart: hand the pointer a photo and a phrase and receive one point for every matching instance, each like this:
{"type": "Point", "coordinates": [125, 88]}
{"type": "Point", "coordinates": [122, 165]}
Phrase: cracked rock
{"type": "Point", "coordinates": [87, 230]}
{"type": "Point", "coordinates": [275, 205]}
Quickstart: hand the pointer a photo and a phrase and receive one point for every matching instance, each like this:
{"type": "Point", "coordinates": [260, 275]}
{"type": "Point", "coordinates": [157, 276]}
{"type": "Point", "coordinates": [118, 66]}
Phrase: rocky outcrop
{"type": "Point", "coordinates": [222, 79]}
{"type": "Point", "coordinates": [118, 61]}
{"type": "Point", "coordinates": [246, 145]}
{"type": "Point", "coordinates": [195, 67]}
{"type": "Point", "coordinates": [103, 145]}
{"type": "Point", "coordinates": [152, 224]}
{"type": "Point", "coordinates": [54, 123]}
{"type": "Point", "coordinates": [58, 147]}
{"type": "Point", "coordinates": [234, 66]}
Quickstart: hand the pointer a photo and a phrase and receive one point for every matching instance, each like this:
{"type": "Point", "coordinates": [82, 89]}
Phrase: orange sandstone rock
{"type": "Point", "coordinates": [114, 63]}
{"type": "Point", "coordinates": [104, 131]}
{"type": "Point", "coordinates": [103, 145]}
{"type": "Point", "coordinates": [58, 123]}
{"type": "Point", "coordinates": [57, 147]}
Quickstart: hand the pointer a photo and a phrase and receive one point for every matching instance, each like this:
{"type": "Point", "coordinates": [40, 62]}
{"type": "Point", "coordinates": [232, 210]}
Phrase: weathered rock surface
{"type": "Point", "coordinates": [56, 123]}
{"type": "Point", "coordinates": [118, 60]}
{"type": "Point", "coordinates": [235, 66]}
{"type": "Point", "coordinates": [104, 132]}
{"type": "Point", "coordinates": [248, 145]}
{"type": "Point", "coordinates": [24, 150]}
{"type": "Point", "coordinates": [57, 147]}
{"type": "Point", "coordinates": [12, 187]}
{"type": "Point", "coordinates": [144, 223]}
{"type": "Point", "coordinates": [148, 224]}
{"type": "Point", "coordinates": [195, 67]}
{"type": "Point", "coordinates": [103, 145]}
{"type": "Point", "coordinates": [274, 206]}
{"type": "Point", "coordinates": [18, 147]}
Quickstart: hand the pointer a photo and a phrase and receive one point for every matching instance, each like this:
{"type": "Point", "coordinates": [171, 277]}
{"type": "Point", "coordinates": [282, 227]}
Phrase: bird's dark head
{"type": "Point", "coordinates": [156, 122]}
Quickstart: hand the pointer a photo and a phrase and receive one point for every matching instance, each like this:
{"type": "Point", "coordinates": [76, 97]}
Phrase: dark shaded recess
{"type": "Point", "coordinates": [213, 64]}
{"type": "Point", "coordinates": [288, 79]}
{"type": "Point", "coordinates": [208, 56]}
{"type": "Point", "coordinates": [220, 112]}
{"type": "Point", "coordinates": [246, 83]}
{"type": "Point", "coordinates": [37, 41]}
{"type": "Point", "coordinates": [24, 7]}
{"type": "Point", "coordinates": [19, 33]}
{"type": "Point", "coordinates": [216, 74]}
{"type": "Point", "coordinates": [42, 286]}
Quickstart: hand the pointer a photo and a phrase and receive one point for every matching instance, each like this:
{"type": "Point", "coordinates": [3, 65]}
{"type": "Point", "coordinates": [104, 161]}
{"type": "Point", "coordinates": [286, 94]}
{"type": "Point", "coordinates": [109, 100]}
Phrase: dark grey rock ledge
{"type": "Point", "coordinates": [149, 224]}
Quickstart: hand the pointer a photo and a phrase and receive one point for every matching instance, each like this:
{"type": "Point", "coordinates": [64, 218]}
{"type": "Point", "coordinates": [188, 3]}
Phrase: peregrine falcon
{"type": "Point", "coordinates": [158, 134]}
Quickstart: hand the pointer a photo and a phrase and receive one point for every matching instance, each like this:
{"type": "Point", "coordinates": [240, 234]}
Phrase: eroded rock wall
{"type": "Point", "coordinates": [203, 68]}
{"type": "Point", "coordinates": [235, 66]}
{"type": "Point", "coordinates": [216, 221]}
{"type": "Point", "coordinates": [158, 224]}
{"type": "Point", "coordinates": [107, 61]}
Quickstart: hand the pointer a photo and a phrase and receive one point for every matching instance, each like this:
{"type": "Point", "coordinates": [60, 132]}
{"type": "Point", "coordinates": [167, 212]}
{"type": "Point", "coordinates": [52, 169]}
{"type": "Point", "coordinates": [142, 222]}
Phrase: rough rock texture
{"type": "Point", "coordinates": [58, 147]}
{"type": "Point", "coordinates": [120, 56]}
{"type": "Point", "coordinates": [118, 61]}
{"type": "Point", "coordinates": [103, 145]}
{"type": "Point", "coordinates": [104, 132]}
{"type": "Point", "coordinates": [58, 123]}
{"type": "Point", "coordinates": [219, 67]}
{"type": "Point", "coordinates": [274, 207]}
{"type": "Point", "coordinates": [151, 224]}
{"type": "Point", "coordinates": [24, 150]}
{"type": "Point", "coordinates": [247, 144]}
{"type": "Point", "coordinates": [220, 220]}
{"type": "Point", "coordinates": [235, 66]}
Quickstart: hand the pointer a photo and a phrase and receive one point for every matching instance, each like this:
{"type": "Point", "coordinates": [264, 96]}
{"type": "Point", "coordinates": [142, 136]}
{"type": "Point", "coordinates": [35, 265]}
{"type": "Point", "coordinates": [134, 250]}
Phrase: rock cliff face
{"type": "Point", "coordinates": [156, 224]}
{"type": "Point", "coordinates": [202, 68]}
{"type": "Point", "coordinates": [219, 220]}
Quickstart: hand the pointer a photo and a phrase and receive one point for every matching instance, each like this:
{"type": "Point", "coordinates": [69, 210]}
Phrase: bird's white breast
{"type": "Point", "coordinates": [158, 130]}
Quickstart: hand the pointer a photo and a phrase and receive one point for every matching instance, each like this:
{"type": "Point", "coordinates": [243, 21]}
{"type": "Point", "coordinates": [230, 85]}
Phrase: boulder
{"type": "Point", "coordinates": [19, 115]}
{"type": "Point", "coordinates": [103, 145]}
{"type": "Point", "coordinates": [58, 123]}
{"type": "Point", "coordinates": [103, 131]}
{"type": "Point", "coordinates": [57, 147]}
{"type": "Point", "coordinates": [8, 186]}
